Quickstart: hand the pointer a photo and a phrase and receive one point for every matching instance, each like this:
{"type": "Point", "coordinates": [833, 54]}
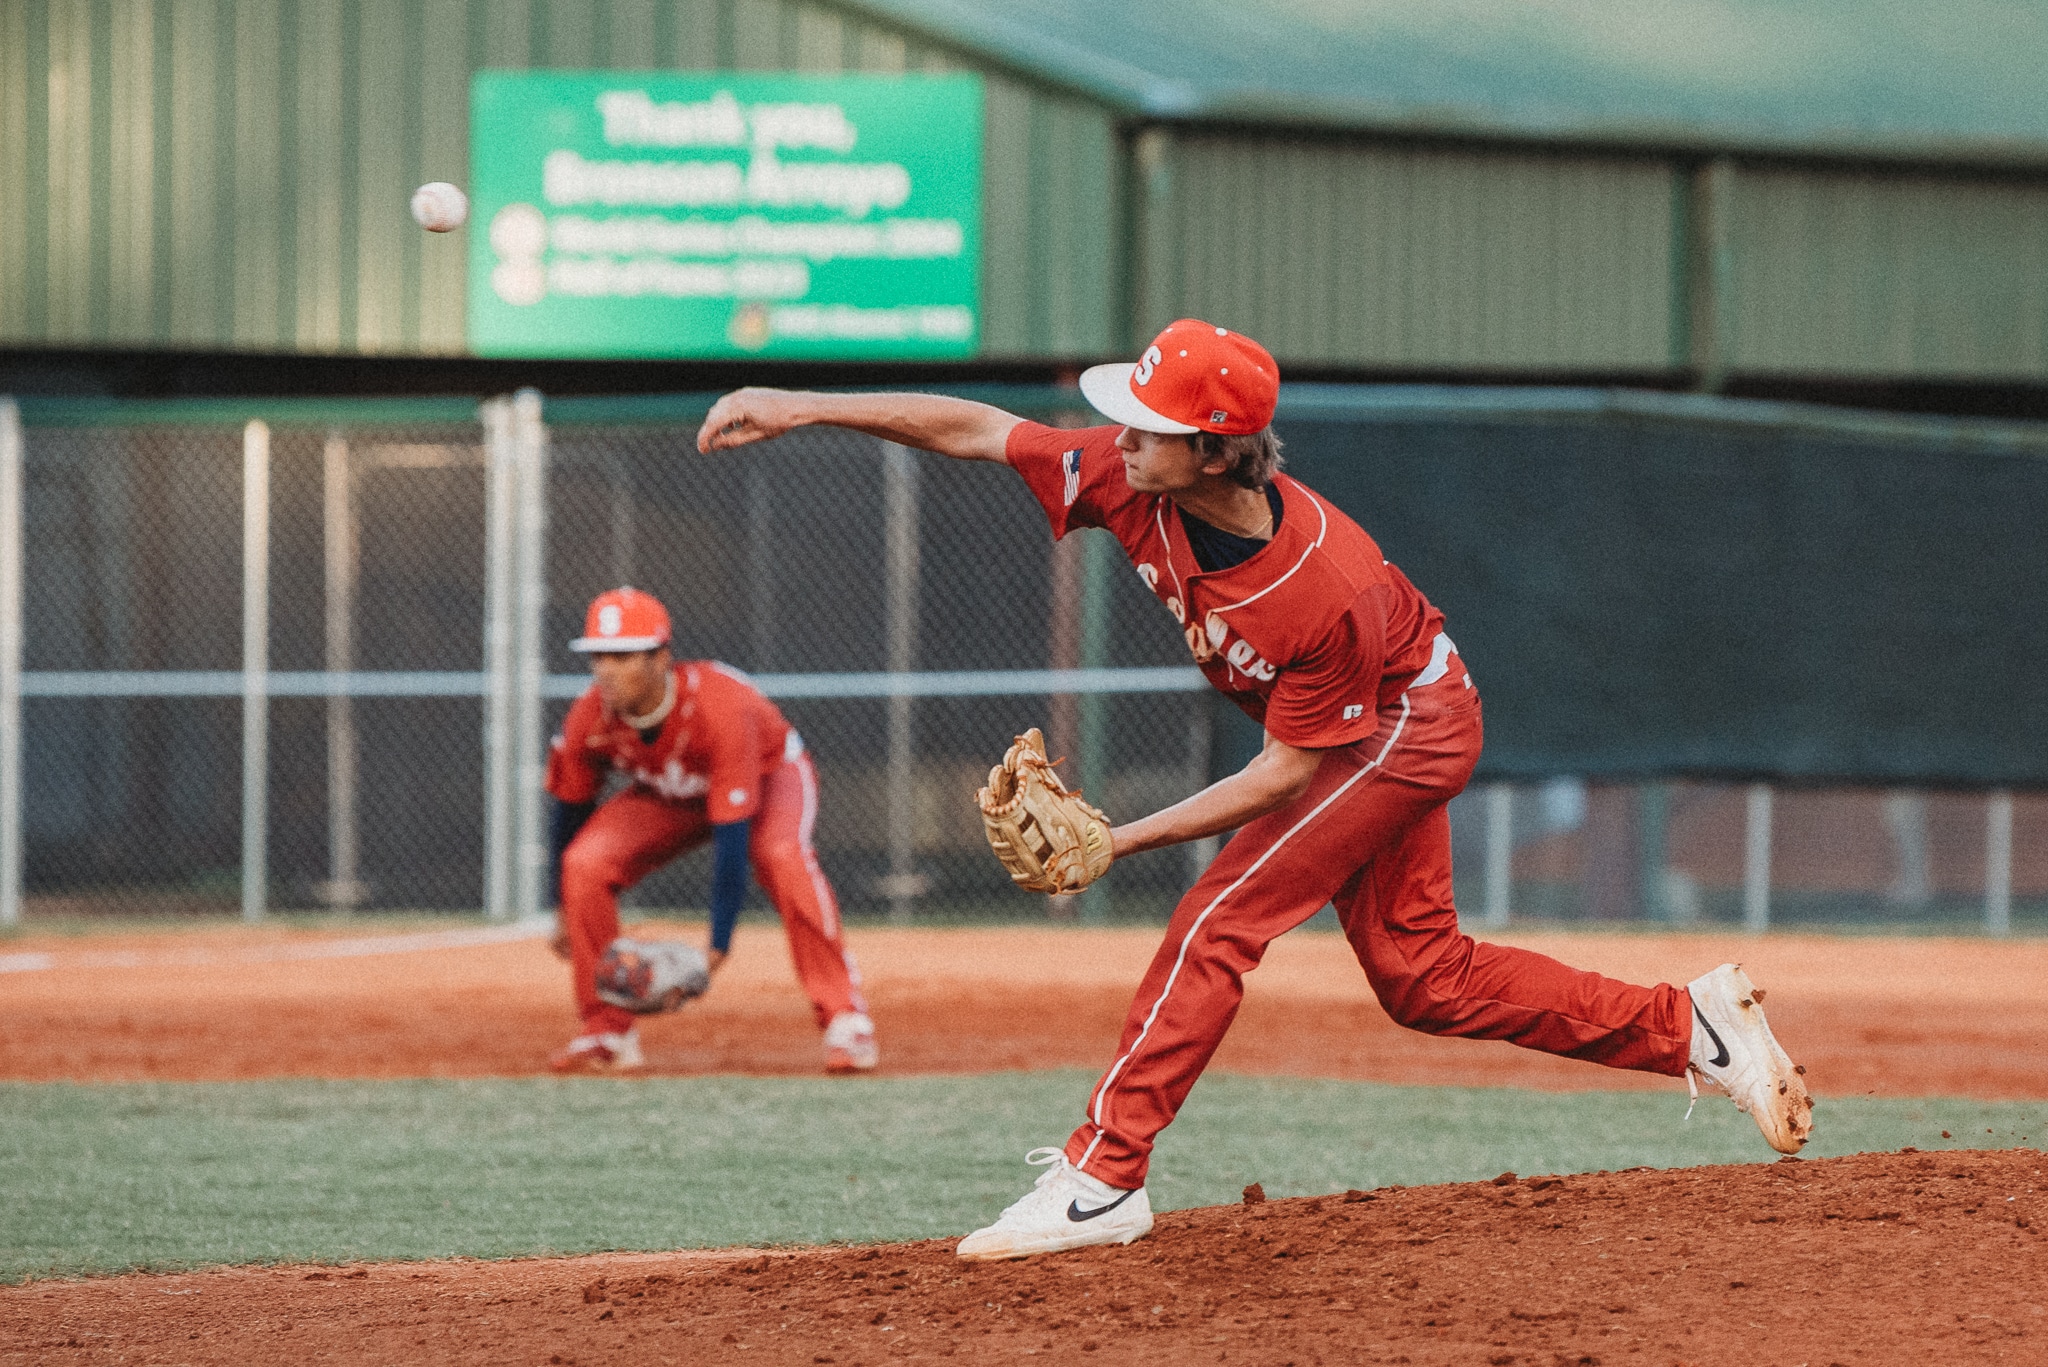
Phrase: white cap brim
{"type": "Point", "coordinates": [614, 645]}
{"type": "Point", "coordinates": [1108, 388]}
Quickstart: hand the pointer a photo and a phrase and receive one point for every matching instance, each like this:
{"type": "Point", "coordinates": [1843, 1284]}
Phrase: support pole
{"type": "Point", "coordinates": [1500, 852]}
{"type": "Point", "coordinates": [1653, 832]}
{"type": "Point", "coordinates": [344, 888]}
{"type": "Point", "coordinates": [1756, 860]}
{"type": "Point", "coordinates": [500, 468]}
{"type": "Point", "coordinates": [1998, 863]}
{"type": "Point", "coordinates": [12, 566]}
{"type": "Point", "coordinates": [1098, 553]}
{"type": "Point", "coordinates": [902, 885]}
{"type": "Point", "coordinates": [1063, 651]}
{"type": "Point", "coordinates": [1709, 273]}
{"type": "Point", "coordinates": [529, 723]}
{"type": "Point", "coordinates": [255, 670]}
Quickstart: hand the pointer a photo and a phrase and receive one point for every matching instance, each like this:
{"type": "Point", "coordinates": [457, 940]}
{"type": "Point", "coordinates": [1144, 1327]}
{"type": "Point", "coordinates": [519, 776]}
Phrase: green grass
{"type": "Point", "coordinates": [106, 1178]}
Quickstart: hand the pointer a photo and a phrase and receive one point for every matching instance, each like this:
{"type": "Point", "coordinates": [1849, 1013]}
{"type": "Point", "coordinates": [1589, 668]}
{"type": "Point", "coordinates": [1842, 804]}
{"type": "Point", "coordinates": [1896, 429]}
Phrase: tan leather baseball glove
{"type": "Point", "coordinates": [1048, 838]}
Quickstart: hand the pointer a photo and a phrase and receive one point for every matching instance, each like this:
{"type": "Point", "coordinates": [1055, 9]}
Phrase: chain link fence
{"type": "Point", "coordinates": [909, 614]}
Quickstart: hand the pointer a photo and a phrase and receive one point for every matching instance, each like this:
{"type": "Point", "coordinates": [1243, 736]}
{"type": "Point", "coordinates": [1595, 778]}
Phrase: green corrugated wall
{"type": "Point", "coordinates": [234, 173]}
{"type": "Point", "coordinates": [1843, 274]}
{"type": "Point", "coordinates": [1341, 253]}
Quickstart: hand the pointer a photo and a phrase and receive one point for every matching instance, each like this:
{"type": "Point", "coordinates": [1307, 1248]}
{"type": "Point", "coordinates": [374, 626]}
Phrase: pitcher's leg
{"type": "Point", "coordinates": [1273, 875]}
{"type": "Point", "coordinates": [788, 870]}
{"type": "Point", "coordinates": [1432, 977]}
{"type": "Point", "coordinates": [625, 839]}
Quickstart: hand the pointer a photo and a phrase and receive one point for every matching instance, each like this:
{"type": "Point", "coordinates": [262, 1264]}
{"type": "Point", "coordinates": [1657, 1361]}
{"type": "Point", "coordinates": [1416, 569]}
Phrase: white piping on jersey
{"type": "Point", "coordinates": [1314, 546]}
{"type": "Point", "coordinates": [1166, 544]}
{"type": "Point", "coordinates": [1440, 651]}
{"type": "Point", "coordinates": [828, 905]}
{"type": "Point", "coordinates": [1102, 1092]}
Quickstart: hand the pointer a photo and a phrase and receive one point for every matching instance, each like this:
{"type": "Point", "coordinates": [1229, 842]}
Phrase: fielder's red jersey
{"type": "Point", "coordinates": [716, 745]}
{"type": "Point", "coordinates": [1311, 636]}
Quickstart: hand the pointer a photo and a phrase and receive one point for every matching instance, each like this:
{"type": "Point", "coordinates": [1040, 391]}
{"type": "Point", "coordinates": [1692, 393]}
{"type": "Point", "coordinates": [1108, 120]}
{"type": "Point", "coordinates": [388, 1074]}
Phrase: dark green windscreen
{"type": "Point", "coordinates": [1639, 595]}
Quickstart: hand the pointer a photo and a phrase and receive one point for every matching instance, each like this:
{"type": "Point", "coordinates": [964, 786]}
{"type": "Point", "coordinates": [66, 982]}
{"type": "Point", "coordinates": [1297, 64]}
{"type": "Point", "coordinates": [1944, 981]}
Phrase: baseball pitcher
{"type": "Point", "coordinates": [1372, 725]}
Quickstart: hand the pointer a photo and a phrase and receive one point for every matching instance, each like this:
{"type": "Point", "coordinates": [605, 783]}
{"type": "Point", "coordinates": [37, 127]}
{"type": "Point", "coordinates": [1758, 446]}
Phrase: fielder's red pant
{"type": "Point", "coordinates": [1372, 836]}
{"type": "Point", "coordinates": [638, 831]}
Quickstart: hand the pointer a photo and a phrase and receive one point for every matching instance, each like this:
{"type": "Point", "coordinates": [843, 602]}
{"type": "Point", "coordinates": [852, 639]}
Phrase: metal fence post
{"type": "Point", "coordinates": [1500, 852]}
{"type": "Point", "coordinates": [499, 760]}
{"type": "Point", "coordinates": [529, 735]}
{"type": "Point", "coordinates": [255, 669]}
{"type": "Point", "coordinates": [344, 886]}
{"type": "Point", "coordinates": [1098, 559]}
{"type": "Point", "coordinates": [1756, 860]}
{"type": "Point", "coordinates": [1998, 863]}
{"type": "Point", "coordinates": [900, 553]}
{"type": "Point", "coordinates": [11, 574]}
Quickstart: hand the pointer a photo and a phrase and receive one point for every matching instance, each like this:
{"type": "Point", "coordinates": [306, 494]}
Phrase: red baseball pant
{"type": "Point", "coordinates": [1372, 836]}
{"type": "Point", "coordinates": [635, 833]}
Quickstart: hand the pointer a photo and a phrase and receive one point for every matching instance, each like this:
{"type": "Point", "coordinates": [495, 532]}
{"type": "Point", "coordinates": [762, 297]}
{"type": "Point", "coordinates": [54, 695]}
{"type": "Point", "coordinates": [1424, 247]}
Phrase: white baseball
{"type": "Point", "coordinates": [440, 207]}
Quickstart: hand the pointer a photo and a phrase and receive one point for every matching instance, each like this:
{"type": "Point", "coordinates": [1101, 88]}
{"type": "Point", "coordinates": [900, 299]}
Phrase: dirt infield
{"type": "Point", "coordinates": [1817, 1263]}
{"type": "Point", "coordinates": [1891, 1017]}
{"type": "Point", "coordinates": [1873, 1259]}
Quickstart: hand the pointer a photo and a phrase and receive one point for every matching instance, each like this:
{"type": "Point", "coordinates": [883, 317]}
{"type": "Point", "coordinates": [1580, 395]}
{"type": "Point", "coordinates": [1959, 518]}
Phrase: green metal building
{"type": "Point", "coordinates": [1836, 191]}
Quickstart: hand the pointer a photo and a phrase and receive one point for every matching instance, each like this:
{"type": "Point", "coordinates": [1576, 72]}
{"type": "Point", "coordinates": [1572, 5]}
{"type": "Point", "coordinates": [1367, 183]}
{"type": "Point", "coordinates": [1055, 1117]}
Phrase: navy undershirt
{"type": "Point", "coordinates": [1216, 549]}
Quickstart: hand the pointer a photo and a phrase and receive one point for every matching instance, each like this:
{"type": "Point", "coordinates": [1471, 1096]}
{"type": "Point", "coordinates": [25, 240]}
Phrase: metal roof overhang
{"type": "Point", "coordinates": [1855, 87]}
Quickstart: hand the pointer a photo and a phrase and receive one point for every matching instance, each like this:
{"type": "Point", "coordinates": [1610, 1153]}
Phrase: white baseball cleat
{"type": "Point", "coordinates": [850, 1044]}
{"type": "Point", "coordinates": [604, 1053]}
{"type": "Point", "coordinates": [1733, 1049]}
{"type": "Point", "coordinates": [1066, 1209]}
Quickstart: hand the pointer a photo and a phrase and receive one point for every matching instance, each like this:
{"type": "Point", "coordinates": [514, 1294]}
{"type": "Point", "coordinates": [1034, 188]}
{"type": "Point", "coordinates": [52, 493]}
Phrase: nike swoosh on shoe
{"type": "Point", "coordinates": [1076, 1214]}
{"type": "Point", "coordinates": [1720, 1059]}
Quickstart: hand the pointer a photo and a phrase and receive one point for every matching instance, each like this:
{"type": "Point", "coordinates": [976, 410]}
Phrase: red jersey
{"type": "Point", "coordinates": [715, 746]}
{"type": "Point", "coordinates": [1311, 636]}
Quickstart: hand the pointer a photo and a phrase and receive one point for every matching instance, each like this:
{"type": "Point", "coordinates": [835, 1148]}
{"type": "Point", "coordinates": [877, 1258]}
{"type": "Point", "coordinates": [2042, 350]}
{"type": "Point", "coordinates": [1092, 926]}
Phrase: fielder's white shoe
{"type": "Point", "coordinates": [850, 1044]}
{"type": "Point", "coordinates": [603, 1053]}
{"type": "Point", "coordinates": [1066, 1209]}
{"type": "Point", "coordinates": [1732, 1048]}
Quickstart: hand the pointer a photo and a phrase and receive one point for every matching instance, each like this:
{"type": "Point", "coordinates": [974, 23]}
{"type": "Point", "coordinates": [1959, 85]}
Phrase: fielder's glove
{"type": "Point", "coordinates": [657, 975]}
{"type": "Point", "coordinates": [1048, 838]}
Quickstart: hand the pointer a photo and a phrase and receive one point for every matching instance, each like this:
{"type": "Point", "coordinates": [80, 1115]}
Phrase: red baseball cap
{"type": "Point", "coordinates": [620, 620]}
{"type": "Point", "coordinates": [1195, 377]}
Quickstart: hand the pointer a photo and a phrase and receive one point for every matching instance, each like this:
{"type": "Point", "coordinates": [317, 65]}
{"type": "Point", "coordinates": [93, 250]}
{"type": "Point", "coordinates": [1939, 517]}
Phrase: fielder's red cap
{"type": "Point", "coordinates": [1195, 377]}
{"type": "Point", "coordinates": [620, 620]}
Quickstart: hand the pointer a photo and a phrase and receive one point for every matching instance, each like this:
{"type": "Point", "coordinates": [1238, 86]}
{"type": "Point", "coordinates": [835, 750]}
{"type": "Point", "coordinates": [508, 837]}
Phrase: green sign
{"type": "Point", "coordinates": [635, 213]}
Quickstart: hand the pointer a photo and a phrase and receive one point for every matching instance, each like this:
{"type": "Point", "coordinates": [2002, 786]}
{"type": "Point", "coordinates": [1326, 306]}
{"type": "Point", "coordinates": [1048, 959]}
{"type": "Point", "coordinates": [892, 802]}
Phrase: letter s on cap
{"type": "Point", "coordinates": [1143, 374]}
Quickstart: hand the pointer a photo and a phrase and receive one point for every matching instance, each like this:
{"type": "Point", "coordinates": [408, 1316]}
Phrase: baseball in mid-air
{"type": "Point", "coordinates": [440, 207]}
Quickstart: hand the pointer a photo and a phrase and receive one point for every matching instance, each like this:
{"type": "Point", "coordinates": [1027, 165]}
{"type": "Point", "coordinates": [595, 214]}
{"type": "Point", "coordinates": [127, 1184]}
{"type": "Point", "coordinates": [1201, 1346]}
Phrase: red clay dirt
{"type": "Point", "coordinates": [1876, 1259]}
{"type": "Point", "coordinates": [1948, 1017]}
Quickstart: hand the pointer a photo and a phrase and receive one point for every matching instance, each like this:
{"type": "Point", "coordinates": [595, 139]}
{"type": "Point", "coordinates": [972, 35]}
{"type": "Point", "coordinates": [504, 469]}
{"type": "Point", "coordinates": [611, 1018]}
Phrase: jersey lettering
{"type": "Point", "coordinates": [674, 782]}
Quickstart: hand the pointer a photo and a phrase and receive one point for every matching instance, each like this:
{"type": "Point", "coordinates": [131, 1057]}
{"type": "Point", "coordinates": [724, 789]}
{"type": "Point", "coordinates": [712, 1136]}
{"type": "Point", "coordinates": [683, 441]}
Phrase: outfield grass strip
{"type": "Point", "coordinates": [108, 1178]}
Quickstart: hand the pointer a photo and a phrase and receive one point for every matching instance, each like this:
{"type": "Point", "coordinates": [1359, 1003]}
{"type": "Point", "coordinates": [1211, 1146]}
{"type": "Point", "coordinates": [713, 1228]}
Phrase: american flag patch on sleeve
{"type": "Point", "coordinates": [1070, 461]}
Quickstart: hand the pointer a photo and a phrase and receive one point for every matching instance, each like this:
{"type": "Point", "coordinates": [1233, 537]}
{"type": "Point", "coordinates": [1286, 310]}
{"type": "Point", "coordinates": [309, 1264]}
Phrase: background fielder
{"type": "Point", "coordinates": [1372, 725]}
{"type": "Point", "coordinates": [706, 758]}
